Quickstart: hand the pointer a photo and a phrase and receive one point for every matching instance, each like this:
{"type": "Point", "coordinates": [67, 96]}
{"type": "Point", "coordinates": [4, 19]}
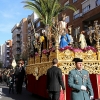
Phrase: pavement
{"type": "Point", "coordinates": [4, 94]}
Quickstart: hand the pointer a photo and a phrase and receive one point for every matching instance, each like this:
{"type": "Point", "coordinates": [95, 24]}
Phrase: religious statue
{"type": "Point", "coordinates": [82, 40]}
{"type": "Point", "coordinates": [94, 35]}
{"type": "Point", "coordinates": [65, 38]}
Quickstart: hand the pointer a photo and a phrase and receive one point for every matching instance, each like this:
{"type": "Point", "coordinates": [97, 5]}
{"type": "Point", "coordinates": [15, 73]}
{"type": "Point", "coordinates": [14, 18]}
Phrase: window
{"type": "Point", "coordinates": [67, 3]}
{"type": "Point", "coordinates": [74, 1]}
{"type": "Point", "coordinates": [37, 24]}
{"type": "Point", "coordinates": [86, 9]}
{"type": "Point", "coordinates": [97, 2]}
{"type": "Point", "coordinates": [76, 14]}
{"type": "Point", "coordinates": [87, 5]}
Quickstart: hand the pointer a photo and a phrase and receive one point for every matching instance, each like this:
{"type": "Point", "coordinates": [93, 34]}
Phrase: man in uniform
{"type": "Point", "coordinates": [79, 81]}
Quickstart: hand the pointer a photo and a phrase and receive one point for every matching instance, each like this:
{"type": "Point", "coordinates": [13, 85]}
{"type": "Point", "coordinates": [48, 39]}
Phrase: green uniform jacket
{"type": "Point", "coordinates": [76, 80]}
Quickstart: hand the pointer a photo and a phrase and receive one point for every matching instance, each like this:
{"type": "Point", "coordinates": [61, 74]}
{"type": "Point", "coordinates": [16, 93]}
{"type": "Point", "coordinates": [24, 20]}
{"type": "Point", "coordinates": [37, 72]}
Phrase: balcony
{"type": "Point", "coordinates": [97, 3]}
{"type": "Point", "coordinates": [29, 25]}
{"type": "Point", "coordinates": [18, 46]}
{"type": "Point", "coordinates": [88, 5]}
{"type": "Point", "coordinates": [7, 61]}
{"type": "Point", "coordinates": [8, 56]}
{"type": "Point", "coordinates": [7, 45]}
{"type": "Point", "coordinates": [8, 50]}
{"type": "Point", "coordinates": [29, 17]}
{"type": "Point", "coordinates": [17, 39]}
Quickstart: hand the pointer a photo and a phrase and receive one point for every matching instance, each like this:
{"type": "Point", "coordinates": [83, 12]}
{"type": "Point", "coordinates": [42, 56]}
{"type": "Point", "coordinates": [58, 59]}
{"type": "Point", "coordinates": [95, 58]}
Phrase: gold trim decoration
{"type": "Point", "coordinates": [92, 66]}
{"type": "Point", "coordinates": [38, 70]}
{"type": "Point", "coordinates": [66, 55]}
{"type": "Point", "coordinates": [44, 58]}
{"type": "Point", "coordinates": [90, 55]}
{"type": "Point", "coordinates": [65, 62]}
{"type": "Point", "coordinates": [79, 54]}
{"type": "Point", "coordinates": [37, 59]}
{"type": "Point", "coordinates": [52, 56]}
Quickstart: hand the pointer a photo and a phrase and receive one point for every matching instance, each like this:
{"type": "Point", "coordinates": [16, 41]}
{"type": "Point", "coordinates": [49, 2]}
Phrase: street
{"type": "Point", "coordinates": [4, 95]}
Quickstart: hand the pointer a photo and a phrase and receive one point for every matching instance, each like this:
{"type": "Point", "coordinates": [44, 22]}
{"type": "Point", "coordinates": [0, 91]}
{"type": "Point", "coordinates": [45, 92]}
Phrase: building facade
{"type": "Point", "coordinates": [87, 12]}
{"type": "Point", "coordinates": [8, 53]}
{"type": "Point", "coordinates": [19, 37]}
{"type": "Point", "coordinates": [3, 54]}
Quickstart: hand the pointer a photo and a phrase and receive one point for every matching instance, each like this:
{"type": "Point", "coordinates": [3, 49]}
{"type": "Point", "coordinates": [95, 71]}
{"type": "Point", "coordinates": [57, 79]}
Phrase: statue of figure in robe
{"type": "Point", "coordinates": [82, 40]}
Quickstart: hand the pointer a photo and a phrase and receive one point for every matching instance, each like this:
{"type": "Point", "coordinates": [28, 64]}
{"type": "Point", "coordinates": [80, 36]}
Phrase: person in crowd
{"type": "Point", "coordinates": [54, 81]}
{"type": "Point", "coordinates": [82, 40]}
{"type": "Point", "coordinates": [79, 81]}
{"type": "Point", "coordinates": [19, 77]}
{"type": "Point", "coordinates": [11, 81]}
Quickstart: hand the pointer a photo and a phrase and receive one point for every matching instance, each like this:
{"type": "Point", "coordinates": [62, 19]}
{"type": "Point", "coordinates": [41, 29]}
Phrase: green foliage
{"type": "Point", "coordinates": [46, 9]}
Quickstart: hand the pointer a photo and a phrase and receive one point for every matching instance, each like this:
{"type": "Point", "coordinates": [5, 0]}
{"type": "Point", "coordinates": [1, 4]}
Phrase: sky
{"type": "Point", "coordinates": [11, 13]}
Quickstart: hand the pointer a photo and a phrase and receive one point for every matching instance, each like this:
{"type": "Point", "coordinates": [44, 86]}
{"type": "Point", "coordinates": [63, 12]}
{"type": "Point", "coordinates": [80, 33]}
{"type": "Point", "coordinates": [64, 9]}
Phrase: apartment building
{"type": "Point", "coordinates": [19, 37]}
{"type": "Point", "coordinates": [87, 12]}
{"type": "Point", "coordinates": [16, 49]}
{"type": "Point", "coordinates": [8, 53]}
{"type": "Point", "coordinates": [3, 46]}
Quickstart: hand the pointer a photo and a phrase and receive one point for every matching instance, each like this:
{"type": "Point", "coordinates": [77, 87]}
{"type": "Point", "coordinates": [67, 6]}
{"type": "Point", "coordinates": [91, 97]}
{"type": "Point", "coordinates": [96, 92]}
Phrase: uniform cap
{"type": "Point", "coordinates": [77, 60]}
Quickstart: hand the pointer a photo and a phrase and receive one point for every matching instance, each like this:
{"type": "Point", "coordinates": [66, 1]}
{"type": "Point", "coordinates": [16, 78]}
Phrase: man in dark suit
{"type": "Point", "coordinates": [54, 81]}
{"type": "Point", "coordinates": [19, 77]}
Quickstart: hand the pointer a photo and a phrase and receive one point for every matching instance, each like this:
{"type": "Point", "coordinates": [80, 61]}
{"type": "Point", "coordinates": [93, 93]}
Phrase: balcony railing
{"type": "Point", "coordinates": [8, 50]}
{"type": "Point", "coordinates": [18, 39]}
{"type": "Point", "coordinates": [29, 25]}
{"type": "Point", "coordinates": [86, 9]}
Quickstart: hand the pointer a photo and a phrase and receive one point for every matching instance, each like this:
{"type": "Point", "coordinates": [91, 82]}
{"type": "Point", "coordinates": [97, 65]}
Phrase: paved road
{"type": "Point", "coordinates": [24, 96]}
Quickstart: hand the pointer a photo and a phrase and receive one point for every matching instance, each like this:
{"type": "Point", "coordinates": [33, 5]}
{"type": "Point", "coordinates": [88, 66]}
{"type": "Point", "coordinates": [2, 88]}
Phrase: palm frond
{"type": "Point", "coordinates": [47, 9]}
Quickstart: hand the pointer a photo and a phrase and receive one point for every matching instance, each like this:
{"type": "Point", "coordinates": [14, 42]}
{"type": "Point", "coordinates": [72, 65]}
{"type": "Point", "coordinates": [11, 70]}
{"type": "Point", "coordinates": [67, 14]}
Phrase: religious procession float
{"type": "Point", "coordinates": [57, 42]}
{"type": "Point", "coordinates": [57, 47]}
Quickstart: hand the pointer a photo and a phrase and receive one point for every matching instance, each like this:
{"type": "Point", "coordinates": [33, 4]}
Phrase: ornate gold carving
{"type": "Point", "coordinates": [98, 54]}
{"type": "Point", "coordinates": [65, 62]}
{"type": "Point", "coordinates": [37, 59]}
{"type": "Point", "coordinates": [38, 69]}
{"type": "Point", "coordinates": [52, 56]}
{"type": "Point", "coordinates": [44, 58]}
{"type": "Point", "coordinates": [52, 53]}
{"type": "Point", "coordinates": [79, 55]}
{"type": "Point", "coordinates": [31, 60]}
{"type": "Point", "coordinates": [92, 66]}
{"type": "Point", "coordinates": [66, 55]}
{"type": "Point", "coordinates": [90, 55]}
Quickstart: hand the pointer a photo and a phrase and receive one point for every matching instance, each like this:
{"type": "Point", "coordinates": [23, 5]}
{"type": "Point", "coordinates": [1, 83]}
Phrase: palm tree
{"type": "Point", "coordinates": [47, 9]}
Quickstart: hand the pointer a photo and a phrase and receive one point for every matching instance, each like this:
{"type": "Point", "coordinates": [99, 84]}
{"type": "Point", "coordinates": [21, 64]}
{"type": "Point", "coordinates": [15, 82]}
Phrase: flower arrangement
{"type": "Point", "coordinates": [78, 49]}
{"type": "Point", "coordinates": [45, 51]}
{"type": "Point", "coordinates": [65, 48]}
{"type": "Point", "coordinates": [89, 48]}
{"type": "Point", "coordinates": [36, 54]}
{"type": "Point", "coordinates": [52, 49]}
